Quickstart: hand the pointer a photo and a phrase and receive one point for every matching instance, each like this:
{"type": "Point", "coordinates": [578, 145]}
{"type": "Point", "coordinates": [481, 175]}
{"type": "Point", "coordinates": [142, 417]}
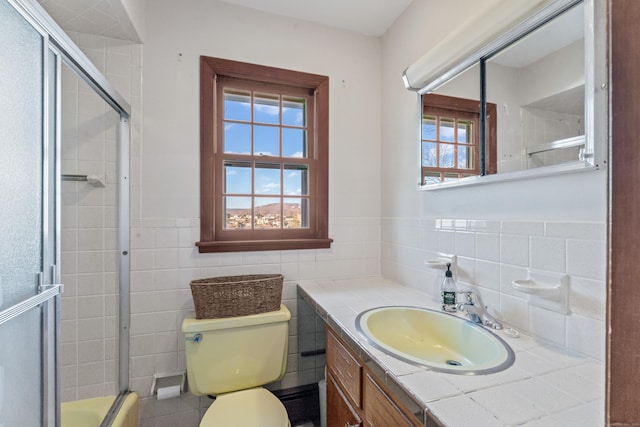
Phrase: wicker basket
{"type": "Point", "coordinates": [232, 296]}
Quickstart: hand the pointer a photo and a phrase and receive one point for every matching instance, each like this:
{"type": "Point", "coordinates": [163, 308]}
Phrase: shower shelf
{"type": "Point", "coordinates": [93, 180]}
{"type": "Point", "coordinates": [577, 141]}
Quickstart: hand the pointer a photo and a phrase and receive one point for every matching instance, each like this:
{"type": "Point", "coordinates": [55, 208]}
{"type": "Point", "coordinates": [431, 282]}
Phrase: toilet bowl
{"type": "Point", "coordinates": [232, 358]}
{"type": "Point", "coordinates": [253, 407]}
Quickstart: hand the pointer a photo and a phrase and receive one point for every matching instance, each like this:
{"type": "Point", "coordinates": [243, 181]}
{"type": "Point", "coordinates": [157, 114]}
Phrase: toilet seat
{"type": "Point", "coordinates": [255, 407]}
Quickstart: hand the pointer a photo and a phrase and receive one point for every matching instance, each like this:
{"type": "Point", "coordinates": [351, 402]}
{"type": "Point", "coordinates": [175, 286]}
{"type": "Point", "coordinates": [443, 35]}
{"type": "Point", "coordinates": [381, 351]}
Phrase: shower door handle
{"type": "Point", "coordinates": [32, 302]}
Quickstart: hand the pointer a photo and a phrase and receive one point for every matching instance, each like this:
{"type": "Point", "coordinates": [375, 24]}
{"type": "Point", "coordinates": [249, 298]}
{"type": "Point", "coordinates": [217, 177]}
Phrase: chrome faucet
{"type": "Point", "coordinates": [471, 303]}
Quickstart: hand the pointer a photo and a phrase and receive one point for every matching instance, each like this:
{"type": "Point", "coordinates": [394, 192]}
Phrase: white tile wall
{"type": "Point", "coordinates": [491, 254]}
{"type": "Point", "coordinates": [89, 226]}
{"type": "Point", "coordinates": [163, 262]}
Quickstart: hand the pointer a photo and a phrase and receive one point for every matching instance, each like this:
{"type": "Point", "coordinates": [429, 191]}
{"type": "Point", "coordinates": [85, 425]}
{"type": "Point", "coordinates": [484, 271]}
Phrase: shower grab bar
{"type": "Point", "coordinates": [26, 305]}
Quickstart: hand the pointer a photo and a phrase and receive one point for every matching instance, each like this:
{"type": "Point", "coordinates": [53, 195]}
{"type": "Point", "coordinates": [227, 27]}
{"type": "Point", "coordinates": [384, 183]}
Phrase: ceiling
{"type": "Point", "coordinates": [101, 17]}
{"type": "Point", "coordinates": [361, 16]}
{"type": "Point", "coordinates": [560, 32]}
{"type": "Point", "coordinates": [109, 17]}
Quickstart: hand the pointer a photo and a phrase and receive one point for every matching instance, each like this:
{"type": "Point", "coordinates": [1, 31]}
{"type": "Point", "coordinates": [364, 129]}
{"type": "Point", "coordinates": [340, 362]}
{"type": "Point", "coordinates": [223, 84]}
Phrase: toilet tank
{"type": "Point", "coordinates": [236, 353]}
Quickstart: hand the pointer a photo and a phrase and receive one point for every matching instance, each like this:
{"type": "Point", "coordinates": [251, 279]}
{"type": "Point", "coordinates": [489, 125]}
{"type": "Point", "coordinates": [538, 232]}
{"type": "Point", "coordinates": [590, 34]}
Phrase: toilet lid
{"type": "Point", "coordinates": [248, 408]}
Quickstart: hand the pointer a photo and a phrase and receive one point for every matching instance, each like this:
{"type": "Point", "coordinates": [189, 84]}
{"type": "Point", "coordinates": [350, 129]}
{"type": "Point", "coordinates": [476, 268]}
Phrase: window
{"type": "Point", "coordinates": [450, 138]}
{"type": "Point", "coordinates": [263, 158]}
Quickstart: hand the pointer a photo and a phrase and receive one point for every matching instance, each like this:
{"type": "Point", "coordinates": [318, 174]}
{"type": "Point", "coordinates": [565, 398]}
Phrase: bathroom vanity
{"type": "Point", "coordinates": [354, 395]}
{"type": "Point", "coordinates": [365, 387]}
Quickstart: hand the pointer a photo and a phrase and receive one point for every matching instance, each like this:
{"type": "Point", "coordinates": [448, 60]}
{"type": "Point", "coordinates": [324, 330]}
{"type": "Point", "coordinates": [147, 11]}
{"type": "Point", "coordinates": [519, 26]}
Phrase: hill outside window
{"type": "Point", "coordinates": [264, 158]}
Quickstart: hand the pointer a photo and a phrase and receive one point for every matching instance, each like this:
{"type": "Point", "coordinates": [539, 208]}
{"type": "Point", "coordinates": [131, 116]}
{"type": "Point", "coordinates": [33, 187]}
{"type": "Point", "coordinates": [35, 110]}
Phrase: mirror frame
{"type": "Point", "coordinates": [596, 91]}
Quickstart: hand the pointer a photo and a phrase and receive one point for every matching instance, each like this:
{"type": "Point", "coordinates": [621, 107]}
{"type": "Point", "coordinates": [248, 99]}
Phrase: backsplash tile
{"type": "Point", "coordinates": [525, 228]}
{"type": "Point", "coordinates": [586, 258]}
{"type": "Point", "coordinates": [576, 230]}
{"type": "Point", "coordinates": [488, 246]}
{"type": "Point", "coordinates": [548, 254]}
{"type": "Point", "coordinates": [504, 251]}
{"type": "Point", "coordinates": [514, 249]}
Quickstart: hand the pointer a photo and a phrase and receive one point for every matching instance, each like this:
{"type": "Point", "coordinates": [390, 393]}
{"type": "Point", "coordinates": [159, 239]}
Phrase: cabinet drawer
{"type": "Point", "coordinates": [379, 410]}
{"type": "Point", "coordinates": [345, 368]}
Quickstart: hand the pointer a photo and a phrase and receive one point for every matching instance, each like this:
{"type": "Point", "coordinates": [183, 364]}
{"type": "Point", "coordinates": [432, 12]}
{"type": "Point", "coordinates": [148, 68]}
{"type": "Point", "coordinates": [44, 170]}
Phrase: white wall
{"type": "Point", "coordinates": [555, 224]}
{"type": "Point", "coordinates": [165, 210]}
{"type": "Point", "coordinates": [179, 33]}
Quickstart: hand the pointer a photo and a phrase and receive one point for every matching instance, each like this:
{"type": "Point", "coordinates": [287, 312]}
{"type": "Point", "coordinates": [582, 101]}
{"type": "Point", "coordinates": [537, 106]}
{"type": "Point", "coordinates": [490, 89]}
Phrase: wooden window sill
{"type": "Point", "coordinates": [262, 245]}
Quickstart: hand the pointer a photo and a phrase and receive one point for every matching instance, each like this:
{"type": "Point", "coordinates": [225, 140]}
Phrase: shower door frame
{"type": "Point", "coordinates": [57, 48]}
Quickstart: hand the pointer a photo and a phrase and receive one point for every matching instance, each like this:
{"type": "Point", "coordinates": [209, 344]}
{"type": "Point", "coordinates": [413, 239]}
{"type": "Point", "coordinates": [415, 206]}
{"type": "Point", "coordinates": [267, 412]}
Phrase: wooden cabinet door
{"type": "Point", "coordinates": [340, 413]}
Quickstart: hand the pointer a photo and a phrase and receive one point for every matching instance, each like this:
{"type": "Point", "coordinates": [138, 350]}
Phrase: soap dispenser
{"type": "Point", "coordinates": [448, 291]}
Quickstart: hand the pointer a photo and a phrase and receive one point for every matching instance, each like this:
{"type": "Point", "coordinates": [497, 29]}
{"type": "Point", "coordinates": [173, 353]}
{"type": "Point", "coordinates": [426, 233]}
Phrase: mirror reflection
{"type": "Point", "coordinates": [535, 109]}
{"type": "Point", "coordinates": [450, 130]}
{"type": "Point", "coordinates": [538, 85]}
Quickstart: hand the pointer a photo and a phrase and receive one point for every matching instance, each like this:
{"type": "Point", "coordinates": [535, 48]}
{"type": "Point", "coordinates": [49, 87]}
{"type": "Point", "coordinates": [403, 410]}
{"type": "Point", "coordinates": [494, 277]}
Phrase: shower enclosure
{"type": "Point", "coordinates": [43, 76]}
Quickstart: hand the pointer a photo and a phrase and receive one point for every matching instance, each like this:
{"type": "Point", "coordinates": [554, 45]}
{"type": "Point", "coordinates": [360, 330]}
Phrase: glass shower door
{"type": "Point", "coordinates": [27, 251]}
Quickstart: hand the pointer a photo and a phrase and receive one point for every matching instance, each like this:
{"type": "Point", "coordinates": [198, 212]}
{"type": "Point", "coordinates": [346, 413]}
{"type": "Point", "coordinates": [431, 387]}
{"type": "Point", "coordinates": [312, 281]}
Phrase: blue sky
{"type": "Point", "coordinates": [266, 129]}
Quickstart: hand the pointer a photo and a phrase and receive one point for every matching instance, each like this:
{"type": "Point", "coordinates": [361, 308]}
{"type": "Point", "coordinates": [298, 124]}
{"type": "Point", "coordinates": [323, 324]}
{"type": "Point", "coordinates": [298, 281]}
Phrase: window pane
{"type": "Point", "coordinates": [266, 109]}
{"type": "Point", "coordinates": [294, 212]}
{"type": "Point", "coordinates": [447, 130]}
{"type": "Point", "coordinates": [465, 157]}
{"type": "Point", "coordinates": [237, 213]}
{"type": "Point", "coordinates": [447, 159]}
{"type": "Point", "coordinates": [294, 111]}
{"type": "Point", "coordinates": [429, 154]}
{"type": "Point", "coordinates": [431, 178]}
{"type": "Point", "coordinates": [237, 105]}
{"type": "Point", "coordinates": [451, 177]}
{"type": "Point", "coordinates": [295, 181]}
{"type": "Point", "coordinates": [267, 179]}
{"type": "Point", "coordinates": [266, 140]}
{"type": "Point", "coordinates": [429, 128]}
{"type": "Point", "coordinates": [237, 178]}
{"type": "Point", "coordinates": [464, 131]}
{"type": "Point", "coordinates": [267, 212]}
{"type": "Point", "coordinates": [294, 143]}
{"type": "Point", "coordinates": [237, 138]}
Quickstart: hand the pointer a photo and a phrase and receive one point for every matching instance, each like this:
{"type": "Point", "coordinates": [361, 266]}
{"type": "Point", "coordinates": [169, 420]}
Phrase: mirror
{"type": "Point", "coordinates": [539, 85]}
{"type": "Point", "coordinates": [518, 110]}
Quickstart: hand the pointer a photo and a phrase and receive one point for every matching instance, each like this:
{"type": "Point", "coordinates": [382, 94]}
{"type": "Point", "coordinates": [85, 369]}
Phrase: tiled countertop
{"type": "Point", "coordinates": [546, 386]}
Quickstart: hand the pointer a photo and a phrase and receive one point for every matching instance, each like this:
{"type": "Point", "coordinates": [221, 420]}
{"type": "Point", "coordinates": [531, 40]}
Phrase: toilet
{"type": "Point", "coordinates": [232, 358]}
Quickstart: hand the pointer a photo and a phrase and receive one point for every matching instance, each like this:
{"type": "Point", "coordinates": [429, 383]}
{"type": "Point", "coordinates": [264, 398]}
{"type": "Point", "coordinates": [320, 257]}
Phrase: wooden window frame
{"type": "Point", "coordinates": [213, 236]}
{"type": "Point", "coordinates": [454, 107]}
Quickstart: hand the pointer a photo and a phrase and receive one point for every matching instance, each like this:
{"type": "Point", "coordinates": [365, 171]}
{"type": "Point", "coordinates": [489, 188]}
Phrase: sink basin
{"type": "Point", "coordinates": [436, 340]}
